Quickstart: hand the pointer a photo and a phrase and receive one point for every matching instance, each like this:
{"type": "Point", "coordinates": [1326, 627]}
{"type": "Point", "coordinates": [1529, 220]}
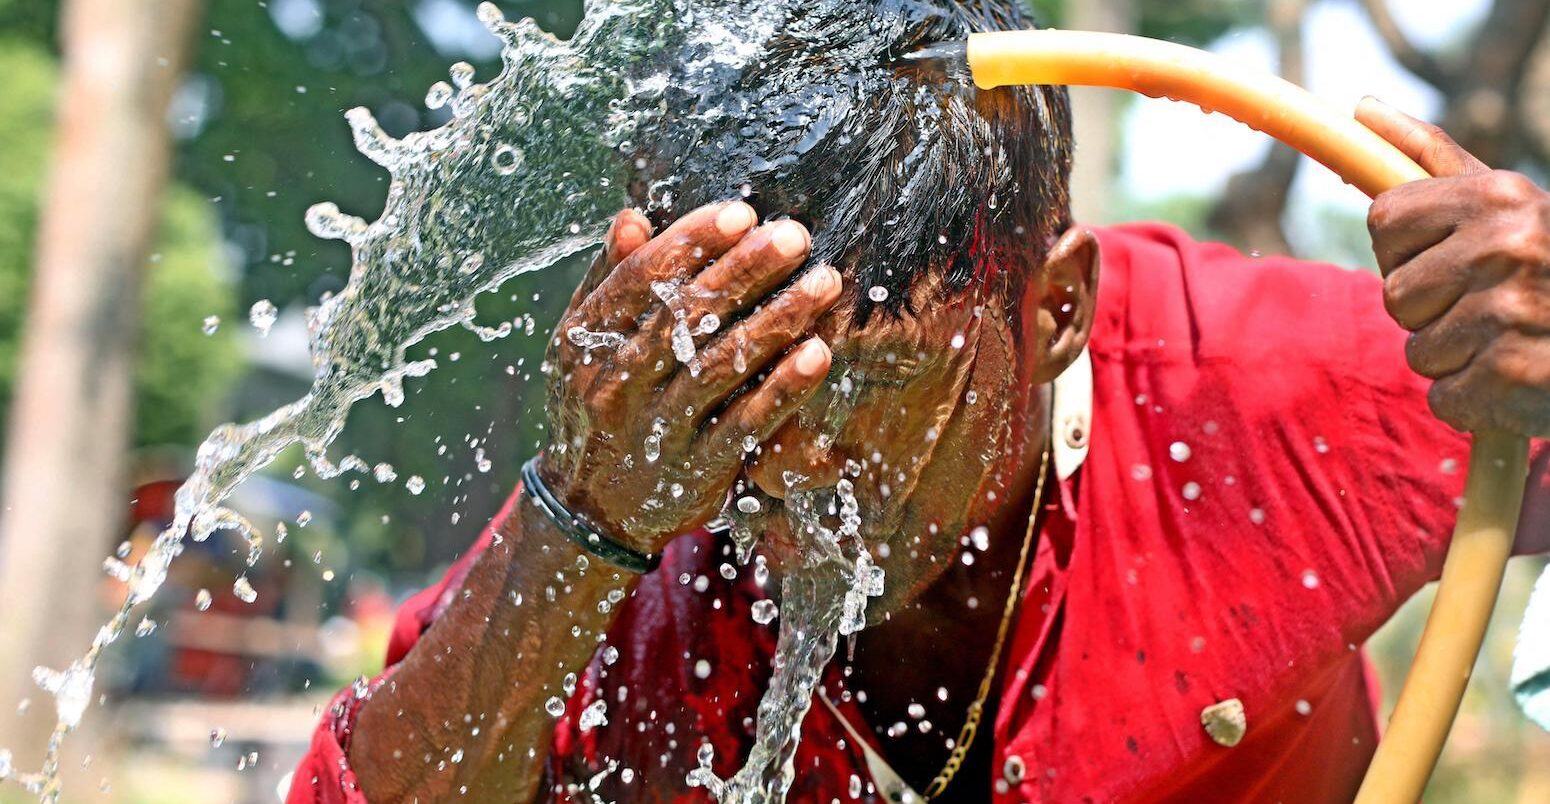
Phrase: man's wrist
{"type": "Point", "coordinates": [586, 534]}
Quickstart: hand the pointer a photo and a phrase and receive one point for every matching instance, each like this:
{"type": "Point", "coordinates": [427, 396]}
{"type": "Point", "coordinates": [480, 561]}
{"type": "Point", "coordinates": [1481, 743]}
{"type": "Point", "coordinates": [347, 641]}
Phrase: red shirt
{"type": "Point", "coordinates": [1318, 495]}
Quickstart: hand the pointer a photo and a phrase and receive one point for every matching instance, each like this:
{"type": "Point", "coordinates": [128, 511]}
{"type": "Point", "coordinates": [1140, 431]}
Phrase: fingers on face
{"type": "Point", "coordinates": [629, 230]}
{"type": "Point", "coordinates": [748, 346]}
{"type": "Point", "coordinates": [678, 253]}
{"type": "Point", "coordinates": [744, 275]}
{"type": "Point", "coordinates": [753, 267]}
{"type": "Point", "coordinates": [767, 406]}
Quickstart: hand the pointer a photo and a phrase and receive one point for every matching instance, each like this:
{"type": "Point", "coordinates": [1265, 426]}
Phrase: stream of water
{"type": "Point", "coordinates": [527, 171]}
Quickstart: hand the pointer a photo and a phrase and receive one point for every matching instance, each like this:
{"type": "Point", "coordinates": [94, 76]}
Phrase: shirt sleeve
{"type": "Point", "coordinates": [1332, 425]}
{"type": "Point", "coordinates": [324, 775]}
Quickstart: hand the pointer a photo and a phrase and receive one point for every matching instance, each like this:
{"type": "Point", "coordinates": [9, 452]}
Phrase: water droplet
{"type": "Point", "coordinates": [244, 590]}
{"type": "Point", "coordinates": [1448, 466]}
{"type": "Point", "coordinates": [71, 690]}
{"type": "Point", "coordinates": [748, 505]}
{"type": "Point", "coordinates": [415, 484]}
{"type": "Point", "coordinates": [1319, 445]}
{"type": "Point", "coordinates": [262, 316]}
{"type": "Point", "coordinates": [653, 446]}
{"type": "Point", "coordinates": [554, 706]}
{"type": "Point", "coordinates": [1179, 451]}
{"type": "Point", "coordinates": [745, 190]}
{"type": "Point", "coordinates": [1310, 579]}
{"type": "Point", "coordinates": [1141, 472]}
{"type": "Point", "coordinates": [610, 655]}
{"type": "Point", "coordinates": [506, 159]}
{"type": "Point", "coordinates": [203, 599]}
{"type": "Point", "coordinates": [957, 341]}
{"type": "Point", "coordinates": [211, 324]}
{"type": "Point", "coordinates": [702, 669]}
{"type": "Point", "coordinates": [1304, 708]}
{"type": "Point", "coordinates": [1257, 516]}
{"type": "Point", "coordinates": [438, 95]}
{"type": "Point", "coordinates": [146, 627]}
{"type": "Point", "coordinates": [765, 611]}
{"type": "Point", "coordinates": [877, 293]}
{"type": "Point", "coordinates": [728, 571]}
{"type": "Point", "coordinates": [596, 714]}
{"type": "Point", "coordinates": [980, 538]}
{"type": "Point", "coordinates": [1191, 490]}
{"type": "Point", "coordinates": [217, 737]}
{"type": "Point", "coordinates": [917, 711]}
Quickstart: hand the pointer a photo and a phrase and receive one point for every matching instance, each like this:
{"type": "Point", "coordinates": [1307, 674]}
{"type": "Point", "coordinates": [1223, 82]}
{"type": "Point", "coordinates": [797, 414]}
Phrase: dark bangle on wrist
{"type": "Point", "coordinates": [578, 529]}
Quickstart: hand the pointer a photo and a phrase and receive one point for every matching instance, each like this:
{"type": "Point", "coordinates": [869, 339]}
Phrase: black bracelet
{"type": "Point", "coordinates": [576, 528]}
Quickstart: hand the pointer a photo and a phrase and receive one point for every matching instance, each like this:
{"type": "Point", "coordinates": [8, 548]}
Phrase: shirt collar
{"type": "Point", "coordinates": [1072, 417]}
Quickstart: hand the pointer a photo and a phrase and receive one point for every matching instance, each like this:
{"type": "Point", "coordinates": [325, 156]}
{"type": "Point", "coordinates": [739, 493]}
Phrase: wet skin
{"type": "Point", "coordinates": [1467, 261]}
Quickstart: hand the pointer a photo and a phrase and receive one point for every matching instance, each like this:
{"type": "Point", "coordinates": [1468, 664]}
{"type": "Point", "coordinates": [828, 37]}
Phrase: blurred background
{"type": "Point", "coordinates": [154, 268]}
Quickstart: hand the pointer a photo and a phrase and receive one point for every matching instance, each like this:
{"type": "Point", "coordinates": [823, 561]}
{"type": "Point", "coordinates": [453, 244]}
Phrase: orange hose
{"type": "Point", "coordinates": [1498, 465]}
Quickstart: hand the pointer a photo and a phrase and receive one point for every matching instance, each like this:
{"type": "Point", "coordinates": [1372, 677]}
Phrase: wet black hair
{"type": "Point", "coordinates": [897, 166]}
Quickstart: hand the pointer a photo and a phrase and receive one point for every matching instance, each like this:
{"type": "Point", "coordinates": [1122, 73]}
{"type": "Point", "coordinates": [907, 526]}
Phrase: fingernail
{"type": "Point", "coordinates": [633, 230]}
{"type": "Point", "coordinates": [821, 281]}
{"type": "Point", "coordinates": [789, 238]}
{"type": "Point", "coordinates": [813, 357]}
{"type": "Point", "coordinates": [735, 217]}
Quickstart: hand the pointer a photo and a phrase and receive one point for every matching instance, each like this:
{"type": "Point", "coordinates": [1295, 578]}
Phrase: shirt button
{"type": "Point", "coordinates": [1014, 769]}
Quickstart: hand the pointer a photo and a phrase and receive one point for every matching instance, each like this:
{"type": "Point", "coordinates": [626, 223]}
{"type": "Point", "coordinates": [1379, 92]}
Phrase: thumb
{"type": "Point", "coordinates": [1427, 144]}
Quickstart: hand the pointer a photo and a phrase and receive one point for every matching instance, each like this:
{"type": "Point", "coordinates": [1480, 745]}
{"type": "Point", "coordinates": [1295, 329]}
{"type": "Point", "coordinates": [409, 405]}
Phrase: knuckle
{"type": "Point", "coordinates": [1396, 298]}
{"type": "Point", "coordinates": [1513, 307]}
{"type": "Point", "coordinates": [1419, 355]}
{"type": "Point", "coordinates": [1522, 242]}
{"type": "Point", "coordinates": [1381, 214]}
{"type": "Point", "coordinates": [1510, 188]}
{"type": "Point", "coordinates": [1441, 398]}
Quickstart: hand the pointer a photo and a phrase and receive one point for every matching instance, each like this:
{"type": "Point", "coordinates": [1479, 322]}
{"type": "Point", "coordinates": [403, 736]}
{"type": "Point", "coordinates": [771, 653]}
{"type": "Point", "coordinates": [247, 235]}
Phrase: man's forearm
{"type": "Point", "coordinates": [463, 714]}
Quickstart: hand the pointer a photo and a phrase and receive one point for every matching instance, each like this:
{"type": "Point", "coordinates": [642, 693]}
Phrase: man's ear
{"type": "Point", "coordinates": [1062, 301]}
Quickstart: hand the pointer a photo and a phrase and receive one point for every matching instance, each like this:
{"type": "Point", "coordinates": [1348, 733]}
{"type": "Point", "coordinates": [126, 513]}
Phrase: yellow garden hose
{"type": "Point", "coordinates": [1482, 538]}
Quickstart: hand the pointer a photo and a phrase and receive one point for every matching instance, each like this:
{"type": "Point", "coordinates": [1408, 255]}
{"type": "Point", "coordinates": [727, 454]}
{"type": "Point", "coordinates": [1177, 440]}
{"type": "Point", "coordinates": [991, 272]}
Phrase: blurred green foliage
{"type": "Point", "coordinates": [180, 368]}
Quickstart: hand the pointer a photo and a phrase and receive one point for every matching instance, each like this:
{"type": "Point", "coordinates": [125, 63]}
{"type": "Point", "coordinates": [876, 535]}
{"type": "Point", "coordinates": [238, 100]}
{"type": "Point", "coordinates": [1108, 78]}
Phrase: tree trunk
{"type": "Point", "coordinates": [65, 497]}
{"type": "Point", "coordinates": [1096, 115]}
{"type": "Point", "coordinates": [1492, 93]}
{"type": "Point", "coordinates": [1249, 213]}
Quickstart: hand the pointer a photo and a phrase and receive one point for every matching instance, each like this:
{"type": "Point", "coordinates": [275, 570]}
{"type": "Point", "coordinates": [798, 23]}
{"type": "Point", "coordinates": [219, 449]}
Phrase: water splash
{"type": "Point", "coordinates": [526, 172]}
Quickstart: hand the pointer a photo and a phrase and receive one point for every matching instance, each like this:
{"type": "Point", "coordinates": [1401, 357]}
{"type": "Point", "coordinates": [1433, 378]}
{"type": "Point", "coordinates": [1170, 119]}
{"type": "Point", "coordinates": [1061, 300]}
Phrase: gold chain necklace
{"type": "Point", "coordinates": [890, 784]}
{"type": "Point", "coordinates": [971, 724]}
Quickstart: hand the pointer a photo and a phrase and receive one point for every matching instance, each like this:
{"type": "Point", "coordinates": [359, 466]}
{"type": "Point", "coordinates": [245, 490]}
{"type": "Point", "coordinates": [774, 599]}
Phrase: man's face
{"type": "Point", "coordinates": [918, 412]}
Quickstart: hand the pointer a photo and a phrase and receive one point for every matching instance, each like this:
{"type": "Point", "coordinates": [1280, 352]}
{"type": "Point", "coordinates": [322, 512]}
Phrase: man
{"type": "Point", "coordinates": [1253, 483]}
